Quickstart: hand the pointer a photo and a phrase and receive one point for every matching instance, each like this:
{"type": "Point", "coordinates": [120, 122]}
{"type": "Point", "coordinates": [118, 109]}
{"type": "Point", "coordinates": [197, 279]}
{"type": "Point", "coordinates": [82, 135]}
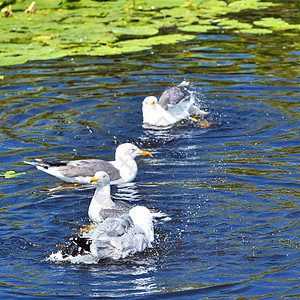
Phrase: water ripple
{"type": "Point", "coordinates": [231, 189]}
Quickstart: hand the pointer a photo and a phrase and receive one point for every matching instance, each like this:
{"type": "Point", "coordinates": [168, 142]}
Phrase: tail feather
{"type": "Point", "coordinates": [45, 163]}
{"type": "Point", "coordinates": [184, 83]}
{"type": "Point", "coordinates": [78, 246]}
{"type": "Point", "coordinates": [37, 163]}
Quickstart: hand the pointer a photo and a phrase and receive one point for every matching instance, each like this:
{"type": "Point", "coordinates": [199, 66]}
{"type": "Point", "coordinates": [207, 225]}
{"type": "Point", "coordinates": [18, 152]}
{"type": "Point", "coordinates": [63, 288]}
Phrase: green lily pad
{"type": "Point", "coordinates": [276, 24]}
{"type": "Point", "coordinates": [212, 8]}
{"type": "Point", "coordinates": [158, 4]}
{"type": "Point", "coordinates": [226, 23]}
{"type": "Point", "coordinates": [141, 44]}
{"type": "Point", "coordinates": [256, 31]}
{"type": "Point", "coordinates": [135, 30]}
{"type": "Point", "coordinates": [178, 13]}
{"type": "Point", "coordinates": [271, 22]}
{"type": "Point", "coordinates": [248, 4]}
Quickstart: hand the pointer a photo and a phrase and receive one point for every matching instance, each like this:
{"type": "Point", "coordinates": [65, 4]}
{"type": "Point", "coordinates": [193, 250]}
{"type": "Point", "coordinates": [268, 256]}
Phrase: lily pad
{"type": "Point", "coordinates": [256, 31]}
{"type": "Point", "coordinates": [135, 30]}
{"type": "Point", "coordinates": [158, 4]}
{"type": "Point", "coordinates": [226, 23]}
{"type": "Point", "coordinates": [197, 28]}
{"type": "Point", "coordinates": [248, 4]}
{"type": "Point", "coordinates": [276, 24]}
{"type": "Point", "coordinates": [141, 44]}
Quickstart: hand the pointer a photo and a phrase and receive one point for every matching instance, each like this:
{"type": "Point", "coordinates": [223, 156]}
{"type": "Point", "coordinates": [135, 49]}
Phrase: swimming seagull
{"type": "Point", "coordinates": [174, 105]}
{"type": "Point", "coordinates": [121, 170]}
{"type": "Point", "coordinates": [102, 206]}
{"type": "Point", "coordinates": [114, 238]}
{"type": "Point", "coordinates": [116, 232]}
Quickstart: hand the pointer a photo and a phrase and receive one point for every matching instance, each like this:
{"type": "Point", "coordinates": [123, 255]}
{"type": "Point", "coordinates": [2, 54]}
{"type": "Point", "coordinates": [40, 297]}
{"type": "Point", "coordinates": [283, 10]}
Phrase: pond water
{"type": "Point", "coordinates": [231, 190]}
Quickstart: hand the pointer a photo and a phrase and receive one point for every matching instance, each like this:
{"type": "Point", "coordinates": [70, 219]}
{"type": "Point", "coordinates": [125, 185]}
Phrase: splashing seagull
{"type": "Point", "coordinates": [114, 238]}
{"type": "Point", "coordinates": [122, 233]}
{"type": "Point", "coordinates": [116, 232]}
{"type": "Point", "coordinates": [121, 170]}
{"type": "Point", "coordinates": [174, 105]}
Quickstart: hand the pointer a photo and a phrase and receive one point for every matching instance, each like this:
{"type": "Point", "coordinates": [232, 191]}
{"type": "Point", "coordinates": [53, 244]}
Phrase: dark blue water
{"type": "Point", "coordinates": [232, 189]}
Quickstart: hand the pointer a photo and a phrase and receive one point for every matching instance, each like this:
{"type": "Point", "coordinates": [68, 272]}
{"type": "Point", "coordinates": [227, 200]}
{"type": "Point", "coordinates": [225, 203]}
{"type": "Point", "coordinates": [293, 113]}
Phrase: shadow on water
{"type": "Point", "coordinates": [232, 189]}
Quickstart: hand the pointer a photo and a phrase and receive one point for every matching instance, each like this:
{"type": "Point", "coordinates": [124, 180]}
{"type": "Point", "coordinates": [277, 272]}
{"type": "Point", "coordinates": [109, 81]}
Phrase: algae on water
{"type": "Point", "coordinates": [11, 174]}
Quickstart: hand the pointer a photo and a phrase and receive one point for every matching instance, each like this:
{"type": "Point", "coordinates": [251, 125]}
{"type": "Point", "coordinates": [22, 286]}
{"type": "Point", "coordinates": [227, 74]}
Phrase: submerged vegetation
{"type": "Point", "coordinates": [48, 29]}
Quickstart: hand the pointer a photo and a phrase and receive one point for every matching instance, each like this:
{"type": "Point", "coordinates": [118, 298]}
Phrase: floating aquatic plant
{"type": "Point", "coordinates": [11, 174]}
{"type": "Point", "coordinates": [51, 29]}
{"type": "Point", "coordinates": [276, 24]}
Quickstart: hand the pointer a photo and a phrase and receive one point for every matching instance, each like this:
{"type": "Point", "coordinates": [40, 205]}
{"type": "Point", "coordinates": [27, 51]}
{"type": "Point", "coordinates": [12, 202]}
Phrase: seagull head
{"type": "Point", "coordinates": [101, 178]}
{"type": "Point", "coordinates": [128, 150]}
{"type": "Point", "coordinates": [150, 101]}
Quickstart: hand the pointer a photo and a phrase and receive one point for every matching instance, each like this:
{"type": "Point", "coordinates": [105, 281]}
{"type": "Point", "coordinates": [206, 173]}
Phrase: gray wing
{"type": "Point", "coordinates": [109, 228]}
{"type": "Point", "coordinates": [89, 167]}
{"type": "Point", "coordinates": [117, 238]}
{"type": "Point", "coordinates": [174, 95]}
{"type": "Point", "coordinates": [101, 236]}
{"type": "Point", "coordinates": [75, 168]}
{"type": "Point", "coordinates": [119, 209]}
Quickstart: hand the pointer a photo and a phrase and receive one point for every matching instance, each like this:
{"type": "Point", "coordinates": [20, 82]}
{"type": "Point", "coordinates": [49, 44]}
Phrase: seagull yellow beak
{"type": "Point", "coordinates": [145, 153]}
{"type": "Point", "coordinates": [152, 103]}
{"type": "Point", "coordinates": [93, 179]}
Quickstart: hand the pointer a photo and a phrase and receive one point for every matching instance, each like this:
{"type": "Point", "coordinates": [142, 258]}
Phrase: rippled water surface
{"type": "Point", "coordinates": [232, 189]}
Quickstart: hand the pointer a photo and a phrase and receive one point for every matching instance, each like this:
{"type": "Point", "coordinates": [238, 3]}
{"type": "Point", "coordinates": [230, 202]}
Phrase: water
{"type": "Point", "coordinates": [232, 189]}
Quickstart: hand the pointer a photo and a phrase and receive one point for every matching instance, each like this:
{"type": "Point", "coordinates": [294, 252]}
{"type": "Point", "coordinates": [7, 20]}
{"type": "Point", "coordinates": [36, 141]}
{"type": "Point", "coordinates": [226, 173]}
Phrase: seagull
{"type": "Point", "coordinates": [114, 238]}
{"type": "Point", "coordinates": [121, 170]}
{"type": "Point", "coordinates": [102, 206]}
{"type": "Point", "coordinates": [117, 230]}
{"type": "Point", "coordinates": [174, 105]}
